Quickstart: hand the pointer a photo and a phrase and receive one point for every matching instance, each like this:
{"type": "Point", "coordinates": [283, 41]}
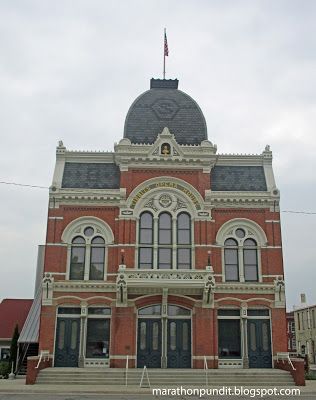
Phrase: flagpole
{"type": "Point", "coordinates": [164, 55]}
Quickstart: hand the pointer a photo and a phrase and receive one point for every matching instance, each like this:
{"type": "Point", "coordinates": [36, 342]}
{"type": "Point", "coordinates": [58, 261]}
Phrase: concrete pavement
{"type": "Point", "coordinates": [17, 390]}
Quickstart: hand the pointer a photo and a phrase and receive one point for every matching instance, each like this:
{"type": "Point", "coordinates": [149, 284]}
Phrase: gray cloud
{"type": "Point", "coordinates": [70, 70]}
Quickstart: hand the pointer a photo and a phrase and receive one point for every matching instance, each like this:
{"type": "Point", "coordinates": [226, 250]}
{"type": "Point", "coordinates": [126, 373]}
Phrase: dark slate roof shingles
{"type": "Point", "coordinates": [238, 178]}
{"type": "Point", "coordinates": [158, 108]}
{"type": "Point", "coordinates": [91, 176]}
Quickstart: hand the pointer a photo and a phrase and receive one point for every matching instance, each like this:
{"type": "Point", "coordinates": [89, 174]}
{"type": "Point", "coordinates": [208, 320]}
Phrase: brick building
{"type": "Point", "coordinates": [13, 312]}
{"type": "Point", "coordinates": [163, 250]}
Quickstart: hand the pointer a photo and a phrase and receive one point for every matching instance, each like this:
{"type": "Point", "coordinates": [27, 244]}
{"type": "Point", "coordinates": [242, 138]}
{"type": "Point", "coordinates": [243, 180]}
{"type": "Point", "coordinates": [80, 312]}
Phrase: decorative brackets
{"type": "Point", "coordinates": [47, 289]}
{"type": "Point", "coordinates": [121, 288]}
{"type": "Point", "coordinates": [279, 293]}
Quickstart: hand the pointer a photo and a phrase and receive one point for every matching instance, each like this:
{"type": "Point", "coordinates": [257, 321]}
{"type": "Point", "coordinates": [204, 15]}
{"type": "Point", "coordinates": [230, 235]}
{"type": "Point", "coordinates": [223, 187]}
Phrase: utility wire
{"type": "Point", "coordinates": [46, 187]}
{"type": "Point", "coordinates": [23, 184]}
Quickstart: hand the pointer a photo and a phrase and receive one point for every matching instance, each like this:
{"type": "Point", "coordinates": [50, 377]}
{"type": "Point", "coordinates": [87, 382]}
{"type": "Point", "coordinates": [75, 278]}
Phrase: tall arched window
{"type": "Point", "coordinates": [77, 262]}
{"type": "Point", "coordinates": [250, 260]}
{"type": "Point", "coordinates": [184, 241]}
{"type": "Point", "coordinates": [231, 260]}
{"type": "Point", "coordinates": [146, 239]}
{"type": "Point", "coordinates": [87, 240]}
{"type": "Point", "coordinates": [165, 241]}
{"type": "Point", "coordinates": [242, 240]}
{"type": "Point", "coordinates": [97, 259]}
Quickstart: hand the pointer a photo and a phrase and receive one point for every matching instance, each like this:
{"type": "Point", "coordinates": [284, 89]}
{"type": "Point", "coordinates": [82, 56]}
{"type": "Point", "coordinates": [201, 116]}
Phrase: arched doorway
{"type": "Point", "coordinates": [164, 338]}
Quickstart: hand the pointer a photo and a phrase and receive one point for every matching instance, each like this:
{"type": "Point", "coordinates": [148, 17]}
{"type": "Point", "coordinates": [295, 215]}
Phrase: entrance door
{"type": "Point", "coordinates": [149, 343]}
{"type": "Point", "coordinates": [179, 343]}
{"type": "Point", "coordinates": [67, 342]}
{"type": "Point", "coordinates": [259, 343]}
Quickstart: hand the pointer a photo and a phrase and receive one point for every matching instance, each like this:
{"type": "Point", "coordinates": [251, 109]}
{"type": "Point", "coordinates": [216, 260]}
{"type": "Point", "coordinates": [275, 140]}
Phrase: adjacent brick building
{"type": "Point", "coordinates": [163, 250]}
{"type": "Point", "coordinates": [291, 336]}
{"type": "Point", "coordinates": [13, 312]}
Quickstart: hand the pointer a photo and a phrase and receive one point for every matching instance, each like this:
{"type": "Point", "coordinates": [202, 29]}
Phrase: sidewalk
{"type": "Point", "coordinates": [18, 386]}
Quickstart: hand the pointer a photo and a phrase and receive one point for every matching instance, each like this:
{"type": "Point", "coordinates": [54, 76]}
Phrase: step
{"type": "Point", "coordinates": [165, 377]}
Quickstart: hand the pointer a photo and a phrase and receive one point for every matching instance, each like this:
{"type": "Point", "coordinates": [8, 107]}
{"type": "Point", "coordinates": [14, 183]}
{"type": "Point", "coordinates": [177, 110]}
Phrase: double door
{"type": "Point", "coordinates": [168, 340]}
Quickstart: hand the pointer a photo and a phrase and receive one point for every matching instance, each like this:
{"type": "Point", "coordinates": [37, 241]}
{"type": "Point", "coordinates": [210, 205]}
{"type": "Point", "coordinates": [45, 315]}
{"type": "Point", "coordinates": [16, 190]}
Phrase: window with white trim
{"type": "Point", "coordinates": [164, 242]}
{"type": "Point", "coordinates": [241, 258]}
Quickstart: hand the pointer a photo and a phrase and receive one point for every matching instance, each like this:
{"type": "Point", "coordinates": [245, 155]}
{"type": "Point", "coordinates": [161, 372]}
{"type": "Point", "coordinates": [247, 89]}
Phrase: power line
{"type": "Point", "coordinates": [299, 212]}
{"type": "Point", "coordinates": [23, 185]}
{"type": "Point", "coordinates": [46, 187]}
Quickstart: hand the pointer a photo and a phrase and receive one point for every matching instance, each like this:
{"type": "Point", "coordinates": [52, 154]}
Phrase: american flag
{"type": "Point", "coordinates": [166, 46]}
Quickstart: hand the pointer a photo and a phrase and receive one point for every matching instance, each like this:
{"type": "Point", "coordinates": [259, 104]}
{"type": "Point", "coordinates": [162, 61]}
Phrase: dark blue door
{"type": "Point", "coordinates": [259, 343]}
{"type": "Point", "coordinates": [179, 343]}
{"type": "Point", "coordinates": [149, 343]}
{"type": "Point", "coordinates": [67, 342]}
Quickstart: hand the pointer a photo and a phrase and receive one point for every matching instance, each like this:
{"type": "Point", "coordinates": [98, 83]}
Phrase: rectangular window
{"type": "Point", "coordinates": [164, 258]}
{"type": "Point", "coordinates": [229, 344]}
{"type": "Point", "coordinates": [231, 265]}
{"type": "Point", "coordinates": [184, 259]}
{"type": "Point", "coordinates": [98, 338]}
{"type": "Point", "coordinates": [77, 263]}
{"type": "Point", "coordinates": [69, 310]}
{"type": "Point", "coordinates": [250, 265]}
{"type": "Point", "coordinates": [258, 313]}
{"type": "Point", "coordinates": [99, 311]}
{"type": "Point", "coordinates": [145, 258]}
{"type": "Point", "coordinates": [97, 263]}
{"type": "Point", "coordinates": [228, 313]}
{"type": "Point", "coordinates": [4, 353]}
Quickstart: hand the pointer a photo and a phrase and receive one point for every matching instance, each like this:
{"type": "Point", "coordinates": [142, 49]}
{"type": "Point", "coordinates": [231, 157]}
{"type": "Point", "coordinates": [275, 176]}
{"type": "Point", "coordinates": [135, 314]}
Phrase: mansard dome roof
{"type": "Point", "coordinates": [165, 106]}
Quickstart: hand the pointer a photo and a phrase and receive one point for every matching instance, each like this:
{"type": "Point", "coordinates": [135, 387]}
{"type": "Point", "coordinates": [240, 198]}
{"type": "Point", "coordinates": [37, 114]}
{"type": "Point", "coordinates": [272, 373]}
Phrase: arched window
{"type": "Point", "coordinates": [250, 258]}
{"type": "Point", "coordinates": [87, 240]}
{"type": "Point", "coordinates": [242, 240]}
{"type": "Point", "coordinates": [87, 256]}
{"type": "Point", "coordinates": [77, 263]}
{"type": "Point", "coordinates": [97, 259]}
{"type": "Point", "coordinates": [165, 241]}
{"type": "Point", "coordinates": [184, 241]}
{"type": "Point", "coordinates": [231, 260]}
{"type": "Point", "coordinates": [146, 239]}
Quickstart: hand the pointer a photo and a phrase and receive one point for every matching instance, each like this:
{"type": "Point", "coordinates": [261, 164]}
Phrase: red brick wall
{"type": "Point", "coordinates": [278, 321]}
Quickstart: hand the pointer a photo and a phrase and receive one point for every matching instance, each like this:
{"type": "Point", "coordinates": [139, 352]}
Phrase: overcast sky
{"type": "Point", "coordinates": [70, 70]}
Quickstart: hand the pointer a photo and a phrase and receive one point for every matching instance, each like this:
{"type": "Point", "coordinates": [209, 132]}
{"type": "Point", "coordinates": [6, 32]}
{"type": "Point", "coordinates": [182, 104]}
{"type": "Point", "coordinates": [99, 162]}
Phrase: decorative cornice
{"type": "Point", "coordinates": [84, 286]}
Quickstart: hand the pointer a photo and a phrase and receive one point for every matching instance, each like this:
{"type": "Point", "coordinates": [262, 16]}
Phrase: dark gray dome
{"type": "Point", "coordinates": [165, 106]}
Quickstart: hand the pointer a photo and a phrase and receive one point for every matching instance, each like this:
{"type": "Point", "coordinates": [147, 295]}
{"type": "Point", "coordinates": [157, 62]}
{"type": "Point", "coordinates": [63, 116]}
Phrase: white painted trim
{"type": "Point", "coordinates": [207, 357]}
{"type": "Point", "coordinates": [78, 224]}
{"type": "Point", "coordinates": [161, 189]}
{"type": "Point", "coordinates": [122, 357]}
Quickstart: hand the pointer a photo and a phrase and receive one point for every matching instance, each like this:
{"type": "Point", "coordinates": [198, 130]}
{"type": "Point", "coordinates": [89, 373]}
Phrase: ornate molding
{"type": "Point", "coordinates": [84, 286]}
